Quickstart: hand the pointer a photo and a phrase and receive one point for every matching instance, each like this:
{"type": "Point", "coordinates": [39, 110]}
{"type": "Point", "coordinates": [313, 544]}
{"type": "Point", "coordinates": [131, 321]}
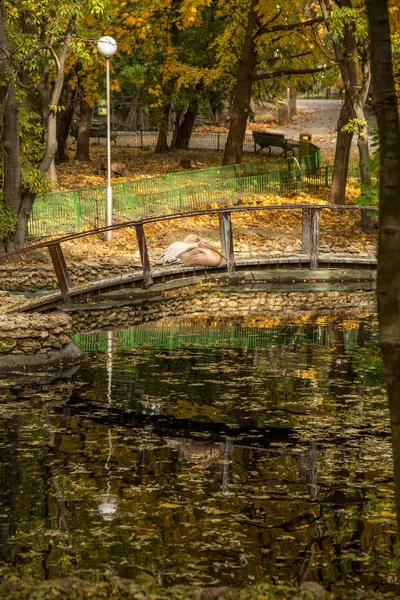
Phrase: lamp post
{"type": "Point", "coordinates": [107, 47]}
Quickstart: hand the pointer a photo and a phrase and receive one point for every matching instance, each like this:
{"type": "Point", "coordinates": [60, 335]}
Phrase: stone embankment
{"type": "Point", "coordinates": [26, 334]}
{"type": "Point", "coordinates": [222, 304]}
{"type": "Point", "coordinates": [32, 342]}
{"type": "Point", "coordinates": [31, 278]}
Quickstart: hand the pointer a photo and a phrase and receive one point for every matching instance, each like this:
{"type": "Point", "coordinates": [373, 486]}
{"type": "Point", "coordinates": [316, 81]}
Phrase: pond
{"type": "Point", "coordinates": [210, 452]}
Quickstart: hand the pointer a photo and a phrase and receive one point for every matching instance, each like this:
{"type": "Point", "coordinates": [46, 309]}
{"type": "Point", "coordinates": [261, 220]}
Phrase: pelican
{"type": "Point", "coordinates": [171, 253]}
{"type": "Point", "coordinates": [202, 255]}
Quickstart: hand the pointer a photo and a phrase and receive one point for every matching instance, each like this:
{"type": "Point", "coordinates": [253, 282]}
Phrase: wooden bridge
{"type": "Point", "coordinates": [146, 277]}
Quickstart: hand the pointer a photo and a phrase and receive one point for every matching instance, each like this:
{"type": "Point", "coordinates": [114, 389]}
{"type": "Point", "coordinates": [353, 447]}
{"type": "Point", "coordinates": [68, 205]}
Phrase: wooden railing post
{"type": "Point", "coordinates": [226, 239]}
{"type": "Point", "coordinates": [144, 255]}
{"type": "Point", "coordinates": [61, 271]}
{"type": "Point", "coordinates": [306, 231]}
{"type": "Point", "coordinates": [314, 251]}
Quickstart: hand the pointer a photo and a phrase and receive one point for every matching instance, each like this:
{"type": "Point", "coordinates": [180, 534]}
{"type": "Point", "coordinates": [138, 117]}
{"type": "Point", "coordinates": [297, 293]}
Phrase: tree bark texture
{"type": "Point", "coordinates": [241, 103]}
{"type": "Point", "coordinates": [54, 94]}
{"type": "Point", "coordinates": [388, 280]}
{"type": "Point", "coordinates": [64, 120]}
{"type": "Point", "coordinates": [342, 155]}
{"type": "Point", "coordinates": [185, 128]}
{"type": "Point", "coordinates": [131, 119]}
{"type": "Point", "coordinates": [10, 142]}
{"type": "Point", "coordinates": [10, 138]}
{"type": "Point", "coordinates": [162, 140]}
{"type": "Point", "coordinates": [82, 152]}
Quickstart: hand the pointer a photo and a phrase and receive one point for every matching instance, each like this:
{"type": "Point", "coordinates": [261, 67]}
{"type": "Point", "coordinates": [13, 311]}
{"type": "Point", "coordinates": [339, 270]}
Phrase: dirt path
{"type": "Point", "coordinates": [318, 117]}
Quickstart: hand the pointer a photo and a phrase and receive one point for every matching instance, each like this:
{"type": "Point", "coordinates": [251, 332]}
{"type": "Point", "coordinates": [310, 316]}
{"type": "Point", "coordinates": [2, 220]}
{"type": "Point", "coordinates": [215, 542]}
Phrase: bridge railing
{"type": "Point", "coordinates": [310, 247]}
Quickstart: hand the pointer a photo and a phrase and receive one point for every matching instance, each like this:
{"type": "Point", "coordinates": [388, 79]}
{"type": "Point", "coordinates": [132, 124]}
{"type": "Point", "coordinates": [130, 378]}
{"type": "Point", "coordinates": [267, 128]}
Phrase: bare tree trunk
{"type": "Point", "coordinates": [131, 119]}
{"type": "Point", "coordinates": [386, 110]}
{"type": "Point", "coordinates": [51, 125]}
{"type": "Point", "coordinates": [177, 122]}
{"type": "Point", "coordinates": [292, 102]}
{"type": "Point", "coordinates": [143, 118]}
{"type": "Point", "coordinates": [83, 141]}
{"type": "Point", "coordinates": [162, 141]}
{"type": "Point", "coordinates": [12, 188]}
{"type": "Point", "coordinates": [10, 135]}
{"type": "Point", "coordinates": [241, 104]}
{"type": "Point", "coordinates": [185, 128]}
{"type": "Point", "coordinates": [64, 120]}
{"type": "Point", "coordinates": [337, 194]}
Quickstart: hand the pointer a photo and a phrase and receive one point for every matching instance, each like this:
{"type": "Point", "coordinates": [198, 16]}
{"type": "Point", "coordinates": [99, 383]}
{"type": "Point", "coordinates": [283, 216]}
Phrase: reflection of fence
{"type": "Point", "coordinates": [74, 210]}
{"type": "Point", "coordinates": [181, 335]}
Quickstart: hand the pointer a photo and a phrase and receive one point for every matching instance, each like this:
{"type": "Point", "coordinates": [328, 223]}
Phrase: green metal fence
{"type": "Point", "coordinates": [76, 210]}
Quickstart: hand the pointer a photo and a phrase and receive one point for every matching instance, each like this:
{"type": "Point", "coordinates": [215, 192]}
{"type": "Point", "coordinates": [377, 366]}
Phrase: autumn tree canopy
{"type": "Point", "coordinates": [173, 56]}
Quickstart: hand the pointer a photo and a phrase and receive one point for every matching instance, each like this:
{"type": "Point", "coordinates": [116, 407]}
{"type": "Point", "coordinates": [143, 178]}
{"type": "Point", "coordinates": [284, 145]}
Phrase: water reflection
{"type": "Point", "coordinates": [219, 456]}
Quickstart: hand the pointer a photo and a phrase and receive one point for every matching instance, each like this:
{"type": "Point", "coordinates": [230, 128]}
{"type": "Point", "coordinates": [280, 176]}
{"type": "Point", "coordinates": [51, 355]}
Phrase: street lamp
{"type": "Point", "coordinates": [107, 47]}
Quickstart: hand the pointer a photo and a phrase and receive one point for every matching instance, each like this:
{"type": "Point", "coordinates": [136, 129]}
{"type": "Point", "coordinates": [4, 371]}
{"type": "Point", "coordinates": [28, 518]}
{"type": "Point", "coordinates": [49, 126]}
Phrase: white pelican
{"type": "Point", "coordinates": [202, 255]}
{"type": "Point", "coordinates": [171, 253]}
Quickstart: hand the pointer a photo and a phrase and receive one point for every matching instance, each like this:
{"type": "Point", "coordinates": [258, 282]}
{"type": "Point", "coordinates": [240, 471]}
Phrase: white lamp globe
{"type": "Point", "coordinates": [107, 46]}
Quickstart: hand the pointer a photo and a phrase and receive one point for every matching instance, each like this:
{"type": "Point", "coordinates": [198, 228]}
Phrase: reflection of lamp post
{"type": "Point", "coordinates": [109, 502]}
{"type": "Point", "coordinates": [107, 47]}
{"type": "Point", "coordinates": [109, 364]}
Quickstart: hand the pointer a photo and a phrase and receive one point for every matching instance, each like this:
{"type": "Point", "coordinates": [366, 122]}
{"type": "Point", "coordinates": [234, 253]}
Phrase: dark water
{"type": "Point", "coordinates": [208, 453]}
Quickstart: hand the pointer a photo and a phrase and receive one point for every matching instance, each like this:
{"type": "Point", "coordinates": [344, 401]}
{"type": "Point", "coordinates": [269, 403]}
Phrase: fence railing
{"type": "Point", "coordinates": [199, 140]}
{"type": "Point", "coordinates": [187, 191]}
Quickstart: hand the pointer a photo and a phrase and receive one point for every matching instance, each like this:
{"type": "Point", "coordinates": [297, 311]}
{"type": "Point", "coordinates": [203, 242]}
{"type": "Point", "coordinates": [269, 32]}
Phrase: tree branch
{"type": "Point", "coordinates": [291, 26]}
{"type": "Point", "coordinates": [276, 58]}
{"type": "Point", "coordinates": [262, 76]}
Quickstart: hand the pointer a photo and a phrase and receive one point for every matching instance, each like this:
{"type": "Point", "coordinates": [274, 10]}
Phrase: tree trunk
{"type": "Point", "coordinates": [83, 141]}
{"type": "Point", "coordinates": [10, 134]}
{"type": "Point", "coordinates": [178, 115]}
{"type": "Point", "coordinates": [186, 127]}
{"type": "Point", "coordinates": [292, 102]}
{"type": "Point", "coordinates": [162, 141]}
{"type": "Point", "coordinates": [241, 104]}
{"type": "Point", "coordinates": [346, 53]}
{"type": "Point", "coordinates": [64, 120]}
{"type": "Point", "coordinates": [12, 188]}
{"type": "Point", "coordinates": [388, 282]}
{"type": "Point", "coordinates": [131, 119]}
{"type": "Point", "coordinates": [46, 165]}
{"type": "Point", "coordinates": [337, 194]}
{"type": "Point", "coordinates": [143, 118]}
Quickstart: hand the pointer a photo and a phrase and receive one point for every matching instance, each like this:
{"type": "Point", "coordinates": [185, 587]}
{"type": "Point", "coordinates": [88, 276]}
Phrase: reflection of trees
{"type": "Point", "coordinates": [12, 478]}
{"type": "Point", "coordinates": [256, 508]}
{"type": "Point", "coordinates": [211, 490]}
{"type": "Point", "coordinates": [309, 469]}
{"type": "Point", "coordinates": [342, 374]}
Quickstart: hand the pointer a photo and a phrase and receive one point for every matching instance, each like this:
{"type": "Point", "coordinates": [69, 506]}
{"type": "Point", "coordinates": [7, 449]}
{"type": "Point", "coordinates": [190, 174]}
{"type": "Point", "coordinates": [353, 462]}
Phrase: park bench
{"type": "Point", "coordinates": [265, 139]}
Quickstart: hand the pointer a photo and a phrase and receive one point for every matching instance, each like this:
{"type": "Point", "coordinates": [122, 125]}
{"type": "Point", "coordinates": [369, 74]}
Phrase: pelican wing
{"type": "Point", "coordinates": [173, 252]}
{"type": "Point", "coordinates": [201, 257]}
